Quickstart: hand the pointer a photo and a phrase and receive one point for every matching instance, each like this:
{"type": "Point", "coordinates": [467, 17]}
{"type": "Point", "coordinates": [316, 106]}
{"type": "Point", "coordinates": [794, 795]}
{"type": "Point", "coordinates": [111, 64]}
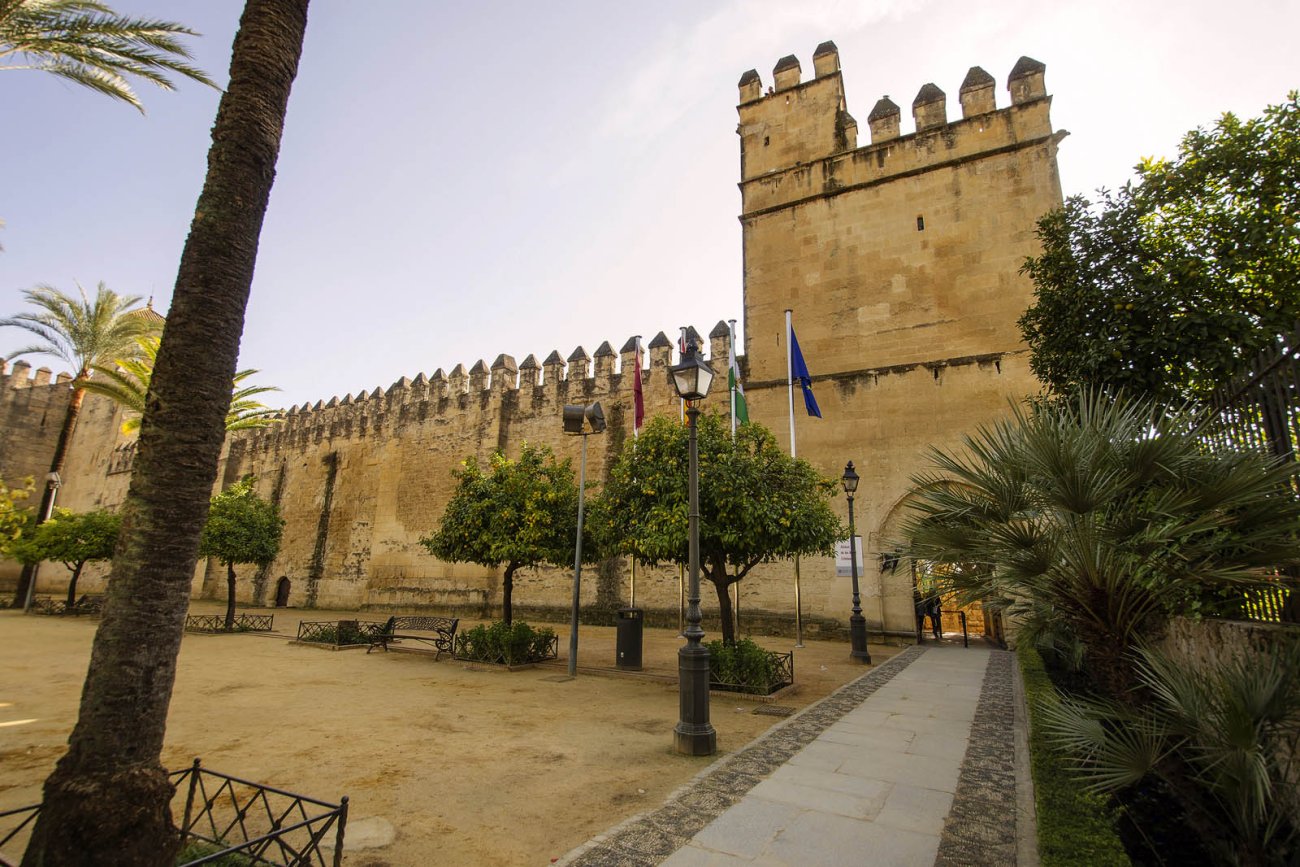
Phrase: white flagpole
{"type": "Point", "coordinates": [789, 375]}
{"type": "Point", "coordinates": [681, 403]}
{"type": "Point", "coordinates": [636, 431]}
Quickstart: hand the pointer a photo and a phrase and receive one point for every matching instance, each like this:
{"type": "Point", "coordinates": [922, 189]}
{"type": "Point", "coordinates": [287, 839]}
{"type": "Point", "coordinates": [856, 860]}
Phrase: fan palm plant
{"type": "Point", "coordinates": [126, 381]}
{"type": "Point", "coordinates": [1225, 739]}
{"type": "Point", "coordinates": [86, 42]}
{"type": "Point", "coordinates": [1096, 520]}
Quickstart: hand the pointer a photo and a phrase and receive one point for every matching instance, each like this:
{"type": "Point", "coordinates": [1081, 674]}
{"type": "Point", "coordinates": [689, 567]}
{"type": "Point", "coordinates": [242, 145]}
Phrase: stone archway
{"type": "Point", "coordinates": [909, 582]}
{"type": "Point", "coordinates": [282, 591]}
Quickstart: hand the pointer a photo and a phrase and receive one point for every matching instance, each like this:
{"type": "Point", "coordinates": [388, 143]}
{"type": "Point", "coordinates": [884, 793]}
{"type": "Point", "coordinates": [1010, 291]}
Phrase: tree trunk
{"type": "Point", "coordinates": [56, 466]}
{"type": "Point", "coordinates": [72, 585]}
{"type": "Point", "coordinates": [230, 596]}
{"type": "Point", "coordinates": [507, 589]}
{"type": "Point", "coordinates": [108, 798]}
{"type": "Point", "coordinates": [724, 606]}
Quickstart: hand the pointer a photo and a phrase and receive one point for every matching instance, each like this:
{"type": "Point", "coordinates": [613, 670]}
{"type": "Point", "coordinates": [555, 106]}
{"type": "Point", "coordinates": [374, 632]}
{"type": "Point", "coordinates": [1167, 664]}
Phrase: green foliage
{"type": "Point", "coordinates": [516, 514]}
{"type": "Point", "coordinates": [1165, 289]}
{"type": "Point", "coordinates": [87, 43]}
{"type": "Point", "coordinates": [242, 527]}
{"type": "Point", "coordinates": [1222, 736]}
{"type": "Point", "coordinates": [13, 519]}
{"type": "Point", "coordinates": [342, 634]}
{"type": "Point", "coordinates": [504, 643]}
{"type": "Point", "coordinates": [743, 664]}
{"type": "Point", "coordinates": [126, 381]}
{"type": "Point", "coordinates": [72, 538]}
{"type": "Point", "coordinates": [1075, 826]}
{"type": "Point", "coordinates": [757, 504]}
{"type": "Point", "coordinates": [1101, 519]}
{"type": "Point", "coordinates": [193, 850]}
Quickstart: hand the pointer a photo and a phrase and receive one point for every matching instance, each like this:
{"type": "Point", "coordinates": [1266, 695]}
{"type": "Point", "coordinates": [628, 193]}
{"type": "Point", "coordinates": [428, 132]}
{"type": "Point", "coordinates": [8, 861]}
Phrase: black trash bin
{"type": "Point", "coordinates": [627, 651]}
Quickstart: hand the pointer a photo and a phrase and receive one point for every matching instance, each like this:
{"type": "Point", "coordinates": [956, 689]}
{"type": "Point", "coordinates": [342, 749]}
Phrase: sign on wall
{"type": "Point", "coordinates": [843, 568]}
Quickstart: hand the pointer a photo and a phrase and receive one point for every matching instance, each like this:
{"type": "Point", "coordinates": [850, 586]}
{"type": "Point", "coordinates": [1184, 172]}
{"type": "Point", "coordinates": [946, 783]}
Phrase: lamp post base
{"type": "Point", "coordinates": [858, 640]}
{"type": "Point", "coordinates": [695, 740]}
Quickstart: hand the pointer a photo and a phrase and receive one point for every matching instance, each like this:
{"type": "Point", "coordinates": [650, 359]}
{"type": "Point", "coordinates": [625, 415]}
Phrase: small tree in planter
{"type": "Point", "coordinates": [73, 539]}
{"type": "Point", "coordinates": [241, 528]}
{"type": "Point", "coordinates": [515, 514]}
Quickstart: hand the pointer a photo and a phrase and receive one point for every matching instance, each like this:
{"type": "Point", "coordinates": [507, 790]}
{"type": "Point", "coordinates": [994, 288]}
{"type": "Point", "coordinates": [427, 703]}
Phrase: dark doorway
{"type": "Point", "coordinates": [282, 592]}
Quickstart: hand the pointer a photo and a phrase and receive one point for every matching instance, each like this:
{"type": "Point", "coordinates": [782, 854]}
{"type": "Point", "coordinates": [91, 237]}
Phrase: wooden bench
{"type": "Point", "coordinates": [410, 628]}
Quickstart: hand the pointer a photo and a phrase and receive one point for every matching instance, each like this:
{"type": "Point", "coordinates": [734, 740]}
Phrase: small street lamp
{"type": "Point", "coordinates": [857, 623]}
{"type": "Point", "coordinates": [52, 483]}
{"type": "Point", "coordinates": [693, 734]}
{"type": "Point", "coordinates": [581, 421]}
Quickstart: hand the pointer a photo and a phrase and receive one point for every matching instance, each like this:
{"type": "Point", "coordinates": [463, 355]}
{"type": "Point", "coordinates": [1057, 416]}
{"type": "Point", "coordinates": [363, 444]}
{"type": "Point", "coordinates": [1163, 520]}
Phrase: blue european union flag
{"type": "Point", "coordinates": [800, 371]}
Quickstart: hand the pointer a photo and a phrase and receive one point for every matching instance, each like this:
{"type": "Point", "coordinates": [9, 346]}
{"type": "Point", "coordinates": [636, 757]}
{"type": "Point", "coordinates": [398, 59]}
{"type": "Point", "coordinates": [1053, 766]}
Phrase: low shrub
{"type": "Point", "coordinates": [743, 665]}
{"type": "Point", "coordinates": [195, 850]}
{"type": "Point", "coordinates": [502, 644]}
{"type": "Point", "coordinates": [341, 635]}
{"type": "Point", "coordinates": [1075, 826]}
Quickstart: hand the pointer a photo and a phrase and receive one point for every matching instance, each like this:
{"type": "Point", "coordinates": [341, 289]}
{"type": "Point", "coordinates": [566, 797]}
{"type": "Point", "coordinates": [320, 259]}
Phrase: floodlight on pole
{"type": "Point", "coordinates": [582, 421]}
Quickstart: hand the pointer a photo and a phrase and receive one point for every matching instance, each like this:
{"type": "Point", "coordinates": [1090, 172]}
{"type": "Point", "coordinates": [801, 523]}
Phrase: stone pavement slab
{"type": "Point", "coordinates": [911, 764]}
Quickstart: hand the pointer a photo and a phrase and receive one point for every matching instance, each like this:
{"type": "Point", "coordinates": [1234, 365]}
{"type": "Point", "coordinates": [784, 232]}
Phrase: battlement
{"type": "Point", "coordinates": [21, 376]}
{"type": "Point", "coordinates": [798, 140]}
{"type": "Point", "coordinates": [528, 388]}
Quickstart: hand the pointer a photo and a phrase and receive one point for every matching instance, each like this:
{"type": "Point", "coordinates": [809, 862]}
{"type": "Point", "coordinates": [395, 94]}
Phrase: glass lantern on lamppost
{"type": "Point", "coordinates": [693, 735]}
{"type": "Point", "coordinates": [857, 623]}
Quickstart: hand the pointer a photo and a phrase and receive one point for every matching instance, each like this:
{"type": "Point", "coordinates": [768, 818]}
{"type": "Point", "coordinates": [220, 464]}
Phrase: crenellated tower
{"type": "Point", "coordinates": [903, 250]}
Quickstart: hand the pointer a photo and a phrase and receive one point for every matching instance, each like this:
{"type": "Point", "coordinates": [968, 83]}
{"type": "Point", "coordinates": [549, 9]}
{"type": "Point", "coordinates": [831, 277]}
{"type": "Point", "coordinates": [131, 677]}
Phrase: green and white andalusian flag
{"type": "Point", "coordinates": [739, 409]}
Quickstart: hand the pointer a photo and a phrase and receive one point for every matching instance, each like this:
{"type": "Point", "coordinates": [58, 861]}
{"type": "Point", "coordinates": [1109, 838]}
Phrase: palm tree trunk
{"type": "Point", "coordinates": [109, 796]}
{"type": "Point", "coordinates": [56, 466]}
{"type": "Point", "coordinates": [230, 596]}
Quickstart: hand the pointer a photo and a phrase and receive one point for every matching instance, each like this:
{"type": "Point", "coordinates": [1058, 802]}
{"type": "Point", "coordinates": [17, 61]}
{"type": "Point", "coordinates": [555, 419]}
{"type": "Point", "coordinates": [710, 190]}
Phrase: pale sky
{"type": "Point", "coordinates": [462, 179]}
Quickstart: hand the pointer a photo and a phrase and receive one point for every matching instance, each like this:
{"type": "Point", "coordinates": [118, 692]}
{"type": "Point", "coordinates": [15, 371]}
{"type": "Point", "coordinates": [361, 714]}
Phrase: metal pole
{"type": "Point", "coordinates": [631, 602]}
{"type": "Point", "coordinates": [681, 598]}
{"type": "Point", "coordinates": [577, 565]}
{"type": "Point", "coordinates": [694, 735]}
{"type": "Point", "coordinates": [857, 623]}
{"type": "Point", "coordinates": [52, 483]}
{"type": "Point", "coordinates": [798, 607]}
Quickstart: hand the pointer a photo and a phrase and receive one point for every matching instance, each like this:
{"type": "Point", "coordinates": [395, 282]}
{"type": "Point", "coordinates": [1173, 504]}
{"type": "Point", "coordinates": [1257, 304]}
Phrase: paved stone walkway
{"type": "Point", "coordinates": [911, 764]}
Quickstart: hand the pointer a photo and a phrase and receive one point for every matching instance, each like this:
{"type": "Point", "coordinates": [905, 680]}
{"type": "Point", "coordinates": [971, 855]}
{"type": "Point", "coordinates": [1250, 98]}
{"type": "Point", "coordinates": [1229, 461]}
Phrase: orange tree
{"type": "Point", "coordinates": [757, 504]}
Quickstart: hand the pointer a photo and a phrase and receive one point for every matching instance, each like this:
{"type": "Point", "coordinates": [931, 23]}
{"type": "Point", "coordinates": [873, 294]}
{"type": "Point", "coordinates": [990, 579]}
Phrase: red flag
{"type": "Point", "coordinates": [637, 398]}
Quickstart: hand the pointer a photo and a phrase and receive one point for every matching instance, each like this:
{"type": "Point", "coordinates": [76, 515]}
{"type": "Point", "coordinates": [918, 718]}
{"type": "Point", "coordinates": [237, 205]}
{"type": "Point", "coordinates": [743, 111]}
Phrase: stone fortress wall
{"type": "Point", "coordinates": [900, 260]}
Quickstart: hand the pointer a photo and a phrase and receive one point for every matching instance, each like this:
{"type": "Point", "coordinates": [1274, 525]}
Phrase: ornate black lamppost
{"type": "Point", "coordinates": [857, 623]}
{"type": "Point", "coordinates": [581, 421]}
{"type": "Point", "coordinates": [693, 734]}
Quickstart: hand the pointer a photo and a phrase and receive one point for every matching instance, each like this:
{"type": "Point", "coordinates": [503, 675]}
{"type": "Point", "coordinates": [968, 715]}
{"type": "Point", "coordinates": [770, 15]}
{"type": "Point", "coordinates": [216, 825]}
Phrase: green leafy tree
{"type": "Point", "coordinates": [513, 514]}
{"type": "Point", "coordinates": [1168, 287]}
{"type": "Point", "coordinates": [13, 518]}
{"type": "Point", "coordinates": [87, 43]}
{"type": "Point", "coordinates": [73, 539]}
{"type": "Point", "coordinates": [110, 792]}
{"type": "Point", "coordinates": [1096, 520]}
{"type": "Point", "coordinates": [241, 528]}
{"type": "Point", "coordinates": [83, 333]}
{"type": "Point", "coordinates": [757, 504]}
{"type": "Point", "coordinates": [126, 381]}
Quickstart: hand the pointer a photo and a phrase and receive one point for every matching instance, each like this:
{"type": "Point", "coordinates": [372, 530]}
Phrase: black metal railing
{"type": "Point", "coordinates": [1261, 412]}
{"type": "Point", "coordinates": [228, 817]}
{"type": "Point", "coordinates": [780, 675]}
{"type": "Point", "coordinates": [541, 648]}
{"type": "Point", "coordinates": [92, 605]}
{"type": "Point", "coordinates": [217, 623]}
{"type": "Point", "coordinates": [339, 633]}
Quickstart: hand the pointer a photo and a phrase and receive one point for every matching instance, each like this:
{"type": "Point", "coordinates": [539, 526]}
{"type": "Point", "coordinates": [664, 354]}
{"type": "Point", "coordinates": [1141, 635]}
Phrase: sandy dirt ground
{"type": "Point", "coordinates": [478, 765]}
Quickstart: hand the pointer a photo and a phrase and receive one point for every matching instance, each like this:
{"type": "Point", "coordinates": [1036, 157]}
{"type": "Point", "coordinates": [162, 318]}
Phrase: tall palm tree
{"type": "Point", "coordinates": [126, 381]}
{"type": "Point", "coordinates": [83, 334]}
{"type": "Point", "coordinates": [86, 42]}
{"type": "Point", "coordinates": [110, 793]}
